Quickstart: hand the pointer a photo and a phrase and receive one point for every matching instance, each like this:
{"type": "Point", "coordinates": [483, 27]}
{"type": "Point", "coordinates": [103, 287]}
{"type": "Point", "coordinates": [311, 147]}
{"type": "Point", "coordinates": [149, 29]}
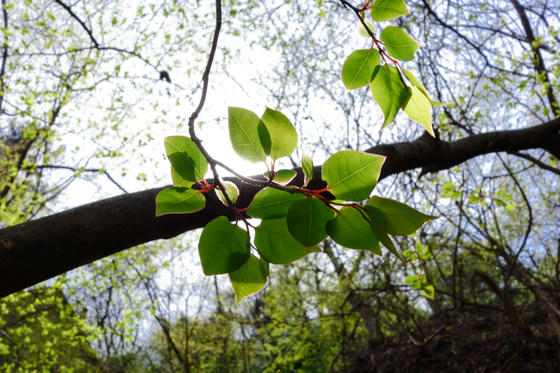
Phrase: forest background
{"type": "Point", "coordinates": [84, 108]}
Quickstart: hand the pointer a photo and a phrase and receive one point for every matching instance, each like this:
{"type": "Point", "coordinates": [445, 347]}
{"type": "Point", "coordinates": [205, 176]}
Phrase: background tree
{"type": "Point", "coordinates": [493, 254]}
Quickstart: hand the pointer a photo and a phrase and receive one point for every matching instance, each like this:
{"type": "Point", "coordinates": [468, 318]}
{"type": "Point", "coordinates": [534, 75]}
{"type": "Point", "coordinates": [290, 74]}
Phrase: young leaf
{"type": "Point", "coordinates": [386, 10]}
{"type": "Point", "coordinates": [223, 247]}
{"type": "Point", "coordinates": [307, 220]}
{"type": "Point", "coordinates": [413, 281]}
{"type": "Point", "coordinates": [244, 134]}
{"type": "Point", "coordinates": [362, 30]}
{"type": "Point", "coordinates": [282, 177]}
{"type": "Point", "coordinates": [350, 229]}
{"type": "Point", "coordinates": [178, 201]}
{"type": "Point", "coordinates": [418, 108]}
{"type": "Point", "coordinates": [416, 83]}
{"type": "Point", "coordinates": [388, 91]}
{"type": "Point", "coordinates": [398, 43]}
{"type": "Point", "coordinates": [231, 190]}
{"type": "Point", "coordinates": [282, 134]}
{"type": "Point", "coordinates": [428, 291]}
{"type": "Point", "coordinates": [276, 244]}
{"type": "Point", "coordinates": [307, 166]}
{"type": "Point", "coordinates": [249, 279]}
{"type": "Point", "coordinates": [187, 161]}
{"type": "Point", "coordinates": [357, 70]}
{"type": "Point", "coordinates": [271, 203]}
{"type": "Point", "coordinates": [396, 218]}
{"type": "Point", "coordinates": [352, 175]}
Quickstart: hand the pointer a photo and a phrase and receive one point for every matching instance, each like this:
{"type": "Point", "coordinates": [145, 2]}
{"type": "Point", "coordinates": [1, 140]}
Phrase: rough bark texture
{"type": "Point", "coordinates": [42, 248]}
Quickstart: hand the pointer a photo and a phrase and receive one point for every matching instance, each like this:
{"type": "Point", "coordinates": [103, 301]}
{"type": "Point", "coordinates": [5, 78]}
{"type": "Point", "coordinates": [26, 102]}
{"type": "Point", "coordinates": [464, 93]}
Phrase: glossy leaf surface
{"type": "Point", "coordinates": [352, 175]}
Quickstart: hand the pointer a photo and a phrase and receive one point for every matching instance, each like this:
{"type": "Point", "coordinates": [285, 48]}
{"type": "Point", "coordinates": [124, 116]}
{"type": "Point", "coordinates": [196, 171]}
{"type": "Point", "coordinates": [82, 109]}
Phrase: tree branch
{"type": "Point", "coordinates": [43, 248]}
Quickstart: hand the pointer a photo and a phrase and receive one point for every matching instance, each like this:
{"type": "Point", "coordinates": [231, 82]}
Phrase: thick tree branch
{"type": "Point", "coordinates": [42, 248]}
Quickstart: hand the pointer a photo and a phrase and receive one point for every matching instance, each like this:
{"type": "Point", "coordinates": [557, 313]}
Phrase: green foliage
{"type": "Point", "coordinates": [294, 218]}
{"type": "Point", "coordinates": [387, 10]}
{"type": "Point", "coordinates": [223, 247]}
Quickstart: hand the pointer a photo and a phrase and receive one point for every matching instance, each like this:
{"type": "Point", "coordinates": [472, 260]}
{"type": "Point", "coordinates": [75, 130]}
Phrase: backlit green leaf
{"type": "Point", "coordinates": [307, 166]}
{"type": "Point", "coordinates": [418, 108]}
{"type": "Point", "coordinates": [276, 244]}
{"type": "Point", "coordinates": [384, 238]}
{"type": "Point", "coordinates": [416, 83]}
{"type": "Point", "coordinates": [386, 10]}
{"type": "Point", "coordinates": [388, 91]}
{"type": "Point", "coordinates": [399, 44]}
{"type": "Point", "coordinates": [395, 217]}
{"type": "Point", "coordinates": [352, 175]}
{"type": "Point", "coordinates": [282, 134]}
{"type": "Point", "coordinates": [249, 279]}
{"type": "Point", "coordinates": [413, 281]}
{"type": "Point", "coordinates": [350, 229]}
{"type": "Point", "coordinates": [223, 247]}
{"type": "Point", "coordinates": [357, 71]}
{"type": "Point", "coordinates": [428, 291]}
{"type": "Point", "coordinates": [178, 201]}
{"type": "Point", "coordinates": [307, 220]}
{"type": "Point", "coordinates": [282, 177]}
{"type": "Point", "coordinates": [187, 161]}
{"type": "Point", "coordinates": [244, 134]}
{"type": "Point", "coordinates": [271, 203]}
{"type": "Point", "coordinates": [231, 190]}
{"type": "Point", "coordinates": [362, 30]}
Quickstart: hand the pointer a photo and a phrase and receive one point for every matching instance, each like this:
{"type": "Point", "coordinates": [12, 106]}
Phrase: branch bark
{"type": "Point", "coordinates": [43, 248]}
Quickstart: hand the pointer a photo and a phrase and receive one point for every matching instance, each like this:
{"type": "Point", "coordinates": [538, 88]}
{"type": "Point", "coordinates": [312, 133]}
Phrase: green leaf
{"type": "Point", "coordinates": [178, 201]}
{"type": "Point", "coordinates": [282, 177]}
{"type": "Point", "coordinates": [307, 166]}
{"type": "Point", "coordinates": [396, 218]}
{"type": "Point", "coordinates": [350, 229]}
{"type": "Point", "coordinates": [386, 10]}
{"type": "Point", "coordinates": [276, 244]}
{"type": "Point", "coordinates": [231, 191]}
{"type": "Point", "coordinates": [282, 134]}
{"type": "Point", "coordinates": [384, 238]}
{"type": "Point", "coordinates": [243, 127]}
{"type": "Point", "coordinates": [352, 175]}
{"type": "Point", "coordinates": [307, 220]}
{"type": "Point", "coordinates": [223, 247]}
{"type": "Point", "coordinates": [362, 30]}
{"type": "Point", "coordinates": [428, 291]}
{"type": "Point", "coordinates": [271, 203]}
{"type": "Point", "coordinates": [249, 279]}
{"type": "Point", "coordinates": [413, 281]}
{"type": "Point", "coordinates": [418, 108]}
{"type": "Point", "coordinates": [388, 91]}
{"type": "Point", "coordinates": [187, 161]}
{"type": "Point", "coordinates": [416, 83]}
{"type": "Point", "coordinates": [357, 71]}
{"type": "Point", "coordinates": [398, 43]}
